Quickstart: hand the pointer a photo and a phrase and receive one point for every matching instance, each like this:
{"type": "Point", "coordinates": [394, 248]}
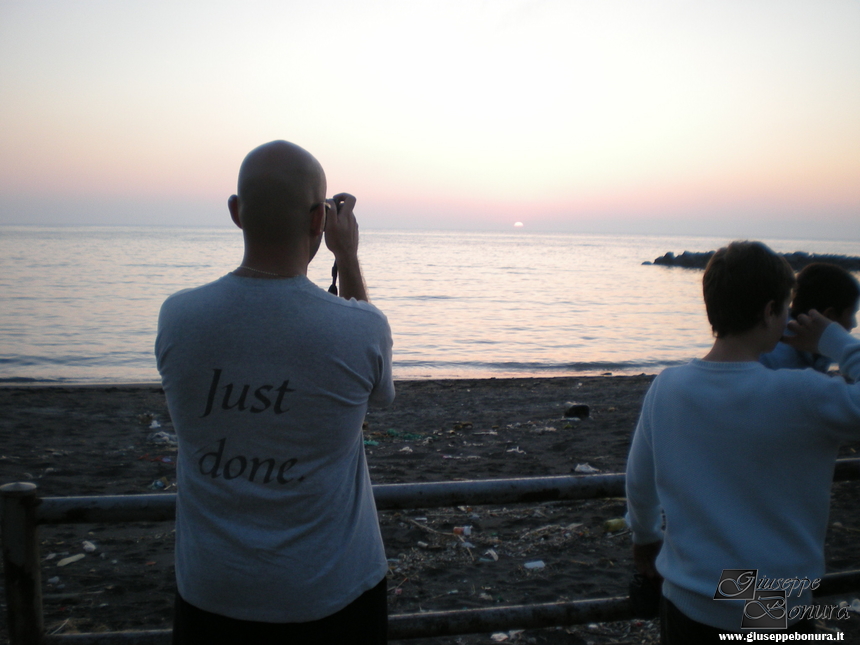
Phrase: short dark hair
{"type": "Point", "coordinates": [739, 281]}
{"type": "Point", "coordinates": [820, 286]}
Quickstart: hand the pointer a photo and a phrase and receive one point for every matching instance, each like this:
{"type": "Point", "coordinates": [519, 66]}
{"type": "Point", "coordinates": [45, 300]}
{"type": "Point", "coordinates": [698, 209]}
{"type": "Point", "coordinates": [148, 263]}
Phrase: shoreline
{"type": "Point", "coordinates": [459, 379]}
{"type": "Point", "coordinates": [78, 384]}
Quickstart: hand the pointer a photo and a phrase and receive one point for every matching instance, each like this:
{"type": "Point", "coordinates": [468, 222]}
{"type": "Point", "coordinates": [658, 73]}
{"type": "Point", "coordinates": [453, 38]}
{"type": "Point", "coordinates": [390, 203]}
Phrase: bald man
{"type": "Point", "coordinates": [267, 379]}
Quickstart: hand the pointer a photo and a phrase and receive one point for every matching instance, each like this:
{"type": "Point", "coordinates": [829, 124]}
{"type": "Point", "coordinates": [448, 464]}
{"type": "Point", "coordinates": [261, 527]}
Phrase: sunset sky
{"type": "Point", "coordinates": [738, 118]}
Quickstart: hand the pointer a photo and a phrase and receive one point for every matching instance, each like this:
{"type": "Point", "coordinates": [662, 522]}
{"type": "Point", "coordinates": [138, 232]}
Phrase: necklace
{"type": "Point", "coordinates": [276, 275]}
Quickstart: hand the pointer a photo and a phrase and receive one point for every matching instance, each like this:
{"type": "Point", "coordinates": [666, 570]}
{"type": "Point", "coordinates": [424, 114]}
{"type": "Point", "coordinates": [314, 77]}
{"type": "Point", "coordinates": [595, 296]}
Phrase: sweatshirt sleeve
{"type": "Point", "coordinates": [838, 344]}
{"type": "Point", "coordinates": [644, 514]}
{"type": "Point", "coordinates": [833, 404]}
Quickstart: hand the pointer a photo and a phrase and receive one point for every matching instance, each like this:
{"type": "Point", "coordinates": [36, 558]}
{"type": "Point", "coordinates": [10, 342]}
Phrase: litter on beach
{"type": "Point", "coordinates": [162, 437]}
{"type": "Point", "coordinates": [71, 559]}
{"type": "Point", "coordinates": [617, 524]}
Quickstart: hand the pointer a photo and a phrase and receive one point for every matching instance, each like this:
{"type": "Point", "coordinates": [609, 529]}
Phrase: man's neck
{"type": "Point", "coordinates": [272, 263]}
{"type": "Point", "coordinates": [746, 347]}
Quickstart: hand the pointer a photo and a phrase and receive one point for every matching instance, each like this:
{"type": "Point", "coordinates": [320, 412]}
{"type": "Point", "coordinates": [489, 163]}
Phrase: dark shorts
{"type": "Point", "coordinates": [363, 622]}
{"type": "Point", "coordinates": [676, 628]}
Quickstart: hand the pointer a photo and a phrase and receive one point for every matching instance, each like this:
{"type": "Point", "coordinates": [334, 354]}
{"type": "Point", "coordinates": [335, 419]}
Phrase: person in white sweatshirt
{"type": "Point", "coordinates": [729, 473]}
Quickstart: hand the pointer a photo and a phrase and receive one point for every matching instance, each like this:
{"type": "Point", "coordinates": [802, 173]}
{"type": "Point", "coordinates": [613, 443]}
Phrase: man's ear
{"type": "Point", "coordinates": [233, 207]}
{"type": "Point", "coordinates": [831, 313]}
{"type": "Point", "coordinates": [318, 215]}
{"type": "Point", "coordinates": [770, 312]}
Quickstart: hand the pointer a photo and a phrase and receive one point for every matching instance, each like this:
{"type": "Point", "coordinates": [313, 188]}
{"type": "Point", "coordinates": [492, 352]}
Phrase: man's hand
{"type": "Point", "coordinates": [341, 227]}
{"type": "Point", "coordinates": [644, 556]}
{"type": "Point", "coordinates": [341, 238]}
{"type": "Point", "coordinates": [807, 330]}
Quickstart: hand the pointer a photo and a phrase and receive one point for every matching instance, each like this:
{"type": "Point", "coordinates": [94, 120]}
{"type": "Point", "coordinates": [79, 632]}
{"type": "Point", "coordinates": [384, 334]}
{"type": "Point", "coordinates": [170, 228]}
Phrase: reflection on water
{"type": "Point", "coordinates": [82, 303]}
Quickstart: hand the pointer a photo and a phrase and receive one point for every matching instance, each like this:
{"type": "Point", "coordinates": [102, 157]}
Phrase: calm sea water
{"type": "Point", "coordinates": [81, 304]}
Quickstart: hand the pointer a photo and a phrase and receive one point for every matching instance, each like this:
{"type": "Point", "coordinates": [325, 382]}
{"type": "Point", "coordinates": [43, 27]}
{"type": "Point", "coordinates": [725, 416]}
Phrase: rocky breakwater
{"type": "Point", "coordinates": [797, 260]}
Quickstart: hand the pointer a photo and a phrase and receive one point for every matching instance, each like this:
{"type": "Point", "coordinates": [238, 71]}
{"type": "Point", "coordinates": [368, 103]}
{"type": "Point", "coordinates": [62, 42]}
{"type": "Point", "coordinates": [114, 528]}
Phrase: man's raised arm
{"type": "Point", "coordinates": [341, 238]}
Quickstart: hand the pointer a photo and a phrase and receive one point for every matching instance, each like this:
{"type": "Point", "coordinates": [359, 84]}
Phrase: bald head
{"type": "Point", "coordinates": [279, 183]}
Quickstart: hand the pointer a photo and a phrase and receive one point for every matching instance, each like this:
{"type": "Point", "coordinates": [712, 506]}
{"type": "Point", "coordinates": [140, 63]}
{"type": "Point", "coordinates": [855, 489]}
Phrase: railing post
{"type": "Point", "coordinates": [21, 564]}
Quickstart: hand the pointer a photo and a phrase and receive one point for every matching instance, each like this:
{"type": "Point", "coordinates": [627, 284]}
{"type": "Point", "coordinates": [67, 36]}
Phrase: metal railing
{"type": "Point", "coordinates": [23, 511]}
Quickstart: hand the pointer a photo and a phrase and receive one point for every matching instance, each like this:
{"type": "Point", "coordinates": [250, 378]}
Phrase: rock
{"type": "Point", "coordinates": [687, 260]}
{"type": "Point", "coordinates": [578, 410]}
{"type": "Point", "coordinates": [797, 260]}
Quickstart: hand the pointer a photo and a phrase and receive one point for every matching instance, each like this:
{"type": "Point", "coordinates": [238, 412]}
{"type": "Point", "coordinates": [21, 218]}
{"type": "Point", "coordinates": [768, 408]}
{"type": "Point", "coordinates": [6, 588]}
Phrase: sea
{"type": "Point", "coordinates": [80, 304]}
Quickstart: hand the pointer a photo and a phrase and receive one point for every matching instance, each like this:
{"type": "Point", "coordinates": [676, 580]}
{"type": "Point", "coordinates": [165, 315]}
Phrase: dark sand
{"type": "Point", "coordinates": [96, 441]}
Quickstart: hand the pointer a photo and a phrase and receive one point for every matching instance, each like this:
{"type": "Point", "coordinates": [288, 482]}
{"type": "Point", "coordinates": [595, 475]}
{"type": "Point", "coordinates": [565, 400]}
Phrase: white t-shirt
{"type": "Point", "coordinates": [267, 383]}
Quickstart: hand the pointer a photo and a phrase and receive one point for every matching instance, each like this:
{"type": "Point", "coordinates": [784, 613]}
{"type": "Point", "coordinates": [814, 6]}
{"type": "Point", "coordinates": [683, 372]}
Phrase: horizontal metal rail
{"type": "Point", "coordinates": [846, 470]}
{"type": "Point", "coordinates": [94, 509]}
{"type": "Point", "coordinates": [149, 637]}
{"type": "Point", "coordinates": [497, 491]}
{"type": "Point", "coordinates": [159, 507]}
{"type": "Point", "coordinates": [427, 624]}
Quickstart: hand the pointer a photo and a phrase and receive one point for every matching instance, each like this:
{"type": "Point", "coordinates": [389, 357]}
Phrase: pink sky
{"type": "Point", "coordinates": [731, 117]}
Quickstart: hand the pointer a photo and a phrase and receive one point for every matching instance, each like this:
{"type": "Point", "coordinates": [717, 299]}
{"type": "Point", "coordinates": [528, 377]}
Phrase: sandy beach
{"type": "Point", "coordinates": [101, 440]}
